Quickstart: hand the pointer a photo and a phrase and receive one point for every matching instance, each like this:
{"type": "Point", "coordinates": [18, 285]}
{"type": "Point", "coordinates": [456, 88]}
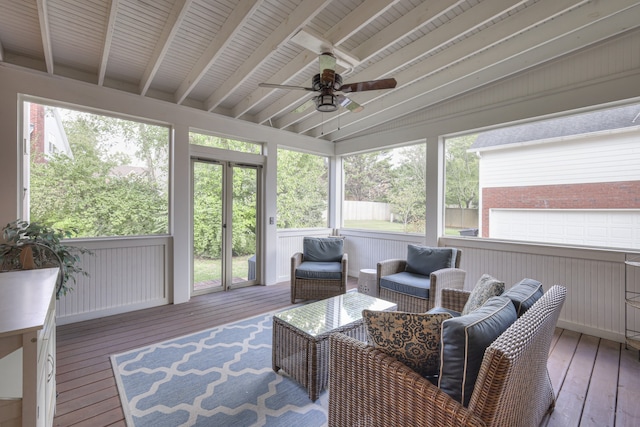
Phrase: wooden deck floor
{"type": "Point", "coordinates": [597, 381]}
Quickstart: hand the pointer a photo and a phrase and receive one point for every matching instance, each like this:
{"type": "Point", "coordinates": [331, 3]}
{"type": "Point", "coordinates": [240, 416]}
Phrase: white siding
{"type": "Point", "coordinates": [604, 228]}
{"type": "Point", "coordinates": [604, 157]}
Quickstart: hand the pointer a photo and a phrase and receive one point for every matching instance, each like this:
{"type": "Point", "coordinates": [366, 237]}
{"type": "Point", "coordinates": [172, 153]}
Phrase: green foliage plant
{"type": "Point", "coordinates": [47, 248]}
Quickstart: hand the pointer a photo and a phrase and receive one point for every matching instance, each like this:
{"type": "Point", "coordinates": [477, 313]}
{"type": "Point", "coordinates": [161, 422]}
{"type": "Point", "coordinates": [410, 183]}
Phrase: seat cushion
{"type": "Point", "coordinates": [412, 338]}
{"type": "Point", "coordinates": [486, 288]}
{"type": "Point", "coordinates": [425, 260]}
{"type": "Point", "coordinates": [524, 294]}
{"type": "Point", "coordinates": [406, 283]}
{"type": "Point", "coordinates": [319, 270]}
{"type": "Point", "coordinates": [322, 249]}
{"type": "Point", "coordinates": [464, 340]}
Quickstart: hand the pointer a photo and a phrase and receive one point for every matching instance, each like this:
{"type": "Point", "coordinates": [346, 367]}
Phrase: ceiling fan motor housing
{"type": "Point", "coordinates": [323, 81]}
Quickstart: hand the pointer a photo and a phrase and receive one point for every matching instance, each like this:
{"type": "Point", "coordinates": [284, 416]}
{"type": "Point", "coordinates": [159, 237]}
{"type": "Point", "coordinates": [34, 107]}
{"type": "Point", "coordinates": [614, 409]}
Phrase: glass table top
{"type": "Point", "coordinates": [324, 316]}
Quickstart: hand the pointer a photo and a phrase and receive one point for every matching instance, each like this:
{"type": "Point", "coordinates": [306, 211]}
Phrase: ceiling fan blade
{"type": "Point", "coordinates": [305, 106]}
{"type": "Point", "coordinates": [370, 85]}
{"type": "Point", "coordinates": [274, 86]}
{"type": "Point", "coordinates": [349, 104]}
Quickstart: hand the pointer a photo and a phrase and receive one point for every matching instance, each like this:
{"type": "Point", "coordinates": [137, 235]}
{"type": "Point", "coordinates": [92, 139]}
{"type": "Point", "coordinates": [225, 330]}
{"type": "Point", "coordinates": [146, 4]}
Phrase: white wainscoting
{"type": "Point", "coordinates": [133, 273]}
{"type": "Point", "coordinates": [366, 248]}
{"type": "Point", "coordinates": [595, 279]}
{"type": "Point", "coordinates": [124, 275]}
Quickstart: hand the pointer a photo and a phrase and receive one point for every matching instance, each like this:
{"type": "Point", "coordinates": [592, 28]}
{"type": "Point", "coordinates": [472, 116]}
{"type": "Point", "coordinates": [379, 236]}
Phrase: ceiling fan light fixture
{"type": "Point", "coordinates": [326, 103]}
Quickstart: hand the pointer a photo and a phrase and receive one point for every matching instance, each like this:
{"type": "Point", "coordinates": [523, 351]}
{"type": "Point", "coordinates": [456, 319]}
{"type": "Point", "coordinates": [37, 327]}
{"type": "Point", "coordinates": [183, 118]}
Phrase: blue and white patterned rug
{"type": "Point", "coordinates": [218, 377]}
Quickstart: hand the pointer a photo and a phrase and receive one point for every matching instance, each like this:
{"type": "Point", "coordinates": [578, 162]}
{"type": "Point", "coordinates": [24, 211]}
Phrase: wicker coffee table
{"type": "Point", "coordinates": [301, 335]}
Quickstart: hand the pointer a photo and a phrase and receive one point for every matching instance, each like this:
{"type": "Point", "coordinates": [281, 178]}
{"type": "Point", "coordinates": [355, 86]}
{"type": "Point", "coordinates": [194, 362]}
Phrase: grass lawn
{"type": "Point", "coordinates": [207, 269]}
{"type": "Point", "coordinates": [389, 226]}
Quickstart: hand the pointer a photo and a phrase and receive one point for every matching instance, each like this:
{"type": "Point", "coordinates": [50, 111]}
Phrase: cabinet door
{"type": "Point", "coordinates": [50, 378]}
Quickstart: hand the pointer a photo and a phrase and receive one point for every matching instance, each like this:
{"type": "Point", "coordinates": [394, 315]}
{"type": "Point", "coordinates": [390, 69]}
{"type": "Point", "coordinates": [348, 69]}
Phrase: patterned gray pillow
{"type": "Point", "coordinates": [486, 288]}
{"type": "Point", "coordinates": [412, 338]}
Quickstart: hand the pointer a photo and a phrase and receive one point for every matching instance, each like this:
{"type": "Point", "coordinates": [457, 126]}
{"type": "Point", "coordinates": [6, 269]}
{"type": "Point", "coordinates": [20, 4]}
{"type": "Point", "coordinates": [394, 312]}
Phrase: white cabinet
{"type": "Point", "coordinates": [28, 347]}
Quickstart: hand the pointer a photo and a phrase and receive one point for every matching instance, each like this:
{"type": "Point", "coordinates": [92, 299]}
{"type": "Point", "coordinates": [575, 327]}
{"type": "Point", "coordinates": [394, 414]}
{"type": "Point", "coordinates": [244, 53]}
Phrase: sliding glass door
{"type": "Point", "coordinates": [225, 227]}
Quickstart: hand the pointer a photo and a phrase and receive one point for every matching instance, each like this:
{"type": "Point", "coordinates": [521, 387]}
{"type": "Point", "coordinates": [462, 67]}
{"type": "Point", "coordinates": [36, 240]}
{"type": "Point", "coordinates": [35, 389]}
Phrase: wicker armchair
{"type": "Point", "coordinates": [442, 278]}
{"type": "Point", "coordinates": [369, 388]}
{"type": "Point", "coordinates": [315, 278]}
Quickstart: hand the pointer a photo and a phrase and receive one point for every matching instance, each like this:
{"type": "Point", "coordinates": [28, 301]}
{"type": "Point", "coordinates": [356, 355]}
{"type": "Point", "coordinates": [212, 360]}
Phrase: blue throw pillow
{"type": "Point", "coordinates": [322, 249]}
{"type": "Point", "coordinates": [524, 294]}
{"type": "Point", "coordinates": [464, 341]}
{"type": "Point", "coordinates": [424, 260]}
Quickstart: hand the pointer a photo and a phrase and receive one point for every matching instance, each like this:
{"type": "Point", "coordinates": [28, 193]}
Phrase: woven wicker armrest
{"type": "Point", "coordinates": [345, 263]}
{"type": "Point", "coordinates": [454, 299]}
{"type": "Point", "coordinates": [369, 388]}
{"type": "Point", "coordinates": [296, 259]}
{"type": "Point", "coordinates": [391, 266]}
{"type": "Point", "coordinates": [445, 278]}
{"type": "Point", "coordinates": [387, 267]}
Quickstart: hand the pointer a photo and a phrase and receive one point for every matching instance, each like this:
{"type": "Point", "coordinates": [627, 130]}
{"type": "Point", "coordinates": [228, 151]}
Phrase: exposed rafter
{"type": "Point", "coordinates": [108, 37]}
{"type": "Point", "coordinates": [211, 56]}
{"type": "Point", "coordinates": [178, 12]}
{"type": "Point", "coordinates": [231, 27]}
{"type": "Point", "coordinates": [45, 32]}
{"type": "Point", "coordinates": [306, 11]}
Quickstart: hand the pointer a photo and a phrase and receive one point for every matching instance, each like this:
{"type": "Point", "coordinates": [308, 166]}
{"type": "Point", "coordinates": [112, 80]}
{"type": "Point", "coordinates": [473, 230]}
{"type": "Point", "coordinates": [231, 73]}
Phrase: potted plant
{"type": "Point", "coordinates": [32, 245]}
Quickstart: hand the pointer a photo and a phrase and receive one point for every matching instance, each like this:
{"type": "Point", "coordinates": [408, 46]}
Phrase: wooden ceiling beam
{"type": "Point", "coordinates": [45, 33]}
{"type": "Point", "coordinates": [344, 29]}
{"type": "Point", "coordinates": [423, 13]}
{"type": "Point", "coordinates": [171, 28]}
{"type": "Point", "coordinates": [565, 33]}
{"type": "Point", "coordinates": [305, 12]}
{"type": "Point", "coordinates": [465, 23]}
{"type": "Point", "coordinates": [108, 37]}
{"type": "Point", "coordinates": [232, 26]}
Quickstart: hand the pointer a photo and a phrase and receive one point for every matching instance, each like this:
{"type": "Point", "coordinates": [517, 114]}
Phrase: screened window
{"type": "Point", "coordinates": [568, 180]}
{"type": "Point", "coordinates": [303, 190]}
{"type": "Point", "coordinates": [224, 143]}
{"type": "Point", "coordinates": [386, 190]}
{"type": "Point", "coordinates": [101, 176]}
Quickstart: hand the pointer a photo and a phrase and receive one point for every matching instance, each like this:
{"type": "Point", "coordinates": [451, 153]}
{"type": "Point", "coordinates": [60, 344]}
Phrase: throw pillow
{"type": "Point", "coordinates": [424, 260]}
{"type": "Point", "coordinates": [412, 338]}
{"type": "Point", "coordinates": [464, 341]}
{"type": "Point", "coordinates": [322, 249]}
{"type": "Point", "coordinates": [524, 294]}
{"type": "Point", "coordinates": [486, 288]}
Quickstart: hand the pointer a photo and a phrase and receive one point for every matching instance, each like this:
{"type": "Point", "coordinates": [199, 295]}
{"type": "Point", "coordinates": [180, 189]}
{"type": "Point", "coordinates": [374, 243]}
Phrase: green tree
{"type": "Point", "coordinates": [462, 169]}
{"type": "Point", "coordinates": [367, 176]}
{"type": "Point", "coordinates": [302, 190]}
{"type": "Point", "coordinates": [407, 194]}
{"type": "Point", "coordinates": [207, 210]}
{"type": "Point", "coordinates": [88, 190]}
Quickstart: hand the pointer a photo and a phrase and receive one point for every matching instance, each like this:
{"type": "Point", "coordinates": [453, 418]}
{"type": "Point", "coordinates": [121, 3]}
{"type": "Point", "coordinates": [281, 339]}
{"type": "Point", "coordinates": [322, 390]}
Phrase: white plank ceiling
{"type": "Point", "coordinates": [211, 55]}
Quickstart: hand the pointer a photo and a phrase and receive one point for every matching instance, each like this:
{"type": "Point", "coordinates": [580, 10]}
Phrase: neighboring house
{"type": "Point", "coordinates": [572, 180]}
{"type": "Point", "coordinates": [46, 133]}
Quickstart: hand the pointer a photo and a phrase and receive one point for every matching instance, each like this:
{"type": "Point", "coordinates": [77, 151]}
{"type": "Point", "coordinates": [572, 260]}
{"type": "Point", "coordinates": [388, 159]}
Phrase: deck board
{"type": "Point", "coordinates": [600, 403]}
{"type": "Point", "coordinates": [628, 409]}
{"type": "Point", "coordinates": [597, 382]}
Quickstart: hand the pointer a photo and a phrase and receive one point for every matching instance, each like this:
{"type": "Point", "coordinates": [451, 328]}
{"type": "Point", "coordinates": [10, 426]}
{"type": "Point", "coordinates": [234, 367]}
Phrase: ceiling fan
{"type": "Point", "coordinates": [327, 82]}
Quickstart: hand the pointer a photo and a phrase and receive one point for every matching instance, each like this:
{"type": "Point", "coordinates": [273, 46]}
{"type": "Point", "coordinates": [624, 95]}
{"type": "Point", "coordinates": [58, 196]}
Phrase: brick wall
{"type": "Point", "coordinates": [36, 117]}
{"type": "Point", "coordinates": [602, 195]}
